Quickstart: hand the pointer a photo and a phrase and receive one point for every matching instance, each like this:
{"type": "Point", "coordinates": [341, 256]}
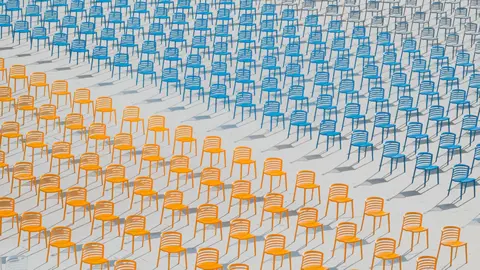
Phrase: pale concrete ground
{"type": "Point", "coordinates": [331, 167]}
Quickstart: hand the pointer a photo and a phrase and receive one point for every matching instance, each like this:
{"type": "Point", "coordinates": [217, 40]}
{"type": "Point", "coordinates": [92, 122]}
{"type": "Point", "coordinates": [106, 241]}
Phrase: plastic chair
{"type": "Point", "coordinates": [377, 95]}
{"type": "Point", "coordinates": [151, 153]}
{"type": "Point", "coordinates": [10, 130]}
{"type": "Point", "coordinates": [134, 24]}
{"type": "Point", "coordinates": [4, 166]}
{"type": "Point", "coordinates": [273, 167]}
{"type": "Point", "coordinates": [272, 109]}
{"type": "Point", "coordinates": [60, 151]}
{"type": "Point", "coordinates": [19, 28]}
{"type": "Point", "coordinates": [50, 16]}
{"type": "Point", "coordinates": [371, 72]}
{"type": "Point", "coordinates": [39, 33]}
{"type": "Point", "coordinates": [447, 74]}
{"type": "Point", "coordinates": [25, 104]}
{"type": "Point", "coordinates": [451, 238]}
{"type": "Point", "coordinates": [470, 125]}
{"type": "Point", "coordinates": [218, 91]}
{"type": "Point", "coordinates": [156, 30]}
{"type": "Point", "coordinates": [115, 174]}
{"type": "Point", "coordinates": [240, 231]}
{"type": "Point", "coordinates": [359, 139]}
{"type": "Point", "coordinates": [296, 93]}
{"type": "Point", "coordinates": [6, 97]}
{"type": "Point", "coordinates": [31, 223]}
{"type": "Point", "coordinates": [7, 210]}
{"type": "Point", "coordinates": [207, 214]}
{"type": "Point", "coordinates": [39, 79]}
{"type": "Point", "coordinates": [338, 193]}
{"type": "Point", "coordinates": [213, 145]}
{"type": "Point", "coordinates": [61, 237]}
{"type": "Point", "coordinates": [98, 132]}
{"type": "Point", "coordinates": [245, 100]}
{"type": "Point", "coordinates": [346, 233]}
{"type": "Point", "coordinates": [374, 207]}
{"type": "Point", "coordinates": [60, 88]}
{"type": "Point", "coordinates": [104, 211]}
{"type": "Point", "coordinates": [242, 155]}
{"type": "Point", "coordinates": [184, 134]}
{"type": "Point", "coordinates": [180, 165]}
{"type": "Point", "coordinates": [17, 72]}
{"type": "Point", "coordinates": [219, 69]}
{"type": "Point", "coordinates": [241, 190]}
{"type": "Point", "coordinates": [23, 171]}
{"type": "Point", "coordinates": [298, 118]}
{"type": "Point", "coordinates": [100, 53]}
{"type": "Point", "coordinates": [156, 124]}
{"type": "Point", "coordinates": [74, 122]}
{"type": "Point", "coordinates": [193, 84]}
{"type": "Point", "coordinates": [207, 258]}
{"type": "Point", "coordinates": [135, 225]}
{"type": "Point", "coordinates": [93, 254]}
{"type": "Point", "coordinates": [424, 162]}
{"type": "Point", "coordinates": [476, 156]}
{"type": "Point", "coordinates": [104, 105]}
{"type": "Point", "coordinates": [127, 41]}
{"type": "Point", "coordinates": [81, 96]}
{"type": "Point", "coordinates": [308, 219]}
{"type": "Point", "coordinates": [415, 131]}
{"type": "Point", "coordinates": [461, 174]}
{"type": "Point", "coordinates": [329, 130]}
{"type": "Point", "coordinates": [108, 35]}
{"type": "Point", "coordinates": [459, 98]}
{"type": "Point", "coordinates": [131, 114]}
{"type": "Point", "coordinates": [124, 142]}
{"type": "Point", "coordinates": [173, 201]}
{"type": "Point", "coordinates": [35, 140]}
{"type": "Point", "coordinates": [79, 46]}
{"type": "Point", "coordinates": [448, 142]}
{"type": "Point", "coordinates": [391, 150]}
{"type": "Point", "coordinates": [210, 177]}
{"type": "Point", "coordinates": [312, 259]}
{"type": "Point", "coordinates": [243, 77]}
{"type": "Point", "coordinates": [385, 249]}
{"type": "Point", "coordinates": [171, 243]}
{"type": "Point", "coordinates": [143, 187]}
{"type": "Point", "coordinates": [413, 223]}
{"type": "Point", "coordinates": [90, 162]}
{"type": "Point", "coordinates": [352, 111]}
{"type": "Point", "coordinates": [275, 245]}
{"type": "Point", "coordinates": [77, 197]}
{"type": "Point", "coordinates": [121, 60]}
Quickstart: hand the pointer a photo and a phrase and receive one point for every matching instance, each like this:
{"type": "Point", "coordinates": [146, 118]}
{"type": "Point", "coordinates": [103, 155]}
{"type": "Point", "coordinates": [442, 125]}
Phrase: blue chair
{"type": "Point", "coordinates": [347, 88]}
{"type": "Point", "coordinates": [463, 61]}
{"type": "Point", "coordinates": [203, 11]}
{"type": "Point", "coordinates": [270, 86]}
{"type": "Point", "coordinates": [384, 40]}
{"type": "Point", "coordinates": [448, 142]}
{"type": "Point", "coordinates": [409, 47]}
{"type": "Point", "coordinates": [12, 6]}
{"type": "Point", "coordinates": [296, 93]}
{"type": "Point", "coordinates": [226, 4]}
{"type": "Point", "coordinates": [149, 47]}
{"type": "Point", "coordinates": [390, 60]}
{"type": "Point", "coordinates": [352, 112]}
{"type": "Point", "coordinates": [146, 67]}
{"type": "Point", "coordinates": [100, 53]}
{"type": "Point", "coordinates": [399, 80]}
{"type": "Point", "coordinates": [311, 22]}
{"type": "Point", "coordinates": [116, 18]}
{"type": "Point", "coordinates": [420, 66]}
{"type": "Point", "coordinates": [470, 125]}
{"type": "Point", "coordinates": [244, 77]}
{"type": "Point", "coordinates": [246, 7]}
{"type": "Point", "coordinates": [339, 46]}
{"type": "Point", "coordinates": [102, 2]}
{"type": "Point", "coordinates": [342, 64]}
{"type": "Point", "coordinates": [161, 14]}
{"type": "Point", "coordinates": [476, 155]}
{"type": "Point", "coordinates": [219, 70]}
{"type": "Point", "coordinates": [121, 60]}
{"type": "Point", "coordinates": [267, 28]}
{"type": "Point", "coordinates": [272, 109]}
{"type": "Point", "coordinates": [322, 79]}
{"type": "Point", "coordinates": [391, 150]}
{"type": "Point", "coordinates": [299, 118]}
{"type": "Point", "coordinates": [359, 34]}
{"type": "Point", "coordinates": [60, 40]}
{"type": "Point", "coordinates": [169, 75]}
{"type": "Point", "coordinates": [292, 51]}
{"type": "Point", "coordinates": [19, 28]}
{"type": "Point", "coordinates": [427, 89]}
{"type": "Point", "coordinates": [156, 30]}
{"type": "Point", "coordinates": [268, 11]}
{"type": "Point", "coordinates": [77, 6]}
{"type": "Point", "coordinates": [223, 17]}
{"type": "Point", "coordinates": [220, 49]}
{"type": "Point", "coordinates": [5, 22]}
{"type": "Point", "coordinates": [317, 57]}
{"type": "Point", "coordinates": [108, 35]}
{"type": "Point", "coordinates": [461, 175]}
{"type": "Point", "coordinates": [405, 104]}
{"type": "Point", "coordinates": [244, 57]}
{"type": "Point", "coordinates": [290, 34]}
{"type": "Point", "coordinates": [141, 8]}
{"type": "Point", "coordinates": [244, 100]}
{"type": "Point", "coordinates": [269, 63]}
{"type": "Point", "coordinates": [328, 128]}
{"type": "Point", "coordinates": [201, 28]}
{"type": "Point", "coordinates": [382, 121]}
{"type": "Point", "coordinates": [96, 12]}
{"type": "Point", "coordinates": [447, 74]}
{"type": "Point", "coordinates": [172, 55]}
{"type": "Point", "coordinates": [377, 95]}
{"type": "Point", "coordinates": [57, 4]}
{"type": "Point", "coordinates": [325, 104]}
{"type": "Point", "coordinates": [359, 139]}
{"type": "Point", "coordinates": [335, 28]}
{"type": "Point", "coordinates": [134, 24]}
{"type": "Point", "coordinates": [247, 22]}
{"type": "Point", "coordinates": [458, 97]}
{"type": "Point", "coordinates": [415, 131]}
{"type": "Point", "coordinates": [88, 29]}
{"type": "Point", "coordinates": [289, 17]}
{"type": "Point", "coordinates": [364, 53]}
{"type": "Point", "coordinates": [127, 41]}
{"type": "Point", "coordinates": [294, 71]}
{"type": "Point", "coordinates": [79, 46]}
{"type": "Point", "coordinates": [218, 91]}
{"type": "Point", "coordinates": [436, 113]}
{"type": "Point", "coordinates": [69, 22]}
{"type": "Point", "coordinates": [199, 43]}
{"type": "Point", "coordinates": [268, 44]}
{"type": "Point", "coordinates": [194, 62]}
{"type": "Point", "coordinates": [39, 33]}
{"type": "Point", "coordinates": [424, 162]}
{"type": "Point", "coordinates": [437, 53]}
{"type": "Point", "coordinates": [32, 11]}
{"type": "Point", "coordinates": [177, 36]}
{"type": "Point", "coordinates": [193, 84]}
{"type": "Point", "coordinates": [371, 73]}
{"type": "Point", "coordinates": [315, 38]}
{"type": "Point", "coordinates": [222, 32]}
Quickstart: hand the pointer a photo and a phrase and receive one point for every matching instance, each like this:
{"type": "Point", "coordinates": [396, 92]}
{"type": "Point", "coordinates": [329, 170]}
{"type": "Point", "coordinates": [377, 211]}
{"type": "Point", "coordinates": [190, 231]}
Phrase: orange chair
{"type": "Point", "coordinates": [25, 104]}
{"type": "Point", "coordinates": [143, 187]}
{"type": "Point", "coordinates": [156, 124]}
{"type": "Point", "coordinates": [35, 140]}
{"type": "Point", "coordinates": [104, 211]}
{"type": "Point", "coordinates": [50, 183]}
{"type": "Point", "coordinates": [81, 96]}
{"type": "Point", "coordinates": [273, 203]}
{"type": "Point", "coordinates": [4, 165]}
{"type": "Point", "coordinates": [173, 200]}
{"type": "Point", "coordinates": [275, 246]}
{"type": "Point", "coordinates": [94, 254]}
{"type": "Point", "coordinates": [48, 112]}
{"type": "Point", "coordinates": [32, 223]}
{"type": "Point", "coordinates": [171, 242]}
{"type": "Point", "coordinates": [242, 191]}
{"type": "Point", "coordinates": [6, 97]}
{"type": "Point", "coordinates": [60, 151]}
{"type": "Point", "coordinates": [17, 72]}
{"type": "Point", "coordinates": [312, 259]}
{"type": "Point", "coordinates": [338, 194]}
{"type": "Point", "coordinates": [374, 208]}
{"type": "Point", "coordinates": [347, 234]}
{"type": "Point", "coordinates": [184, 134]}
{"type": "Point", "coordinates": [60, 88]}
{"type": "Point", "coordinates": [273, 167]}
{"type": "Point", "coordinates": [98, 132]}
{"type": "Point", "coordinates": [238, 266]}
{"type": "Point", "coordinates": [39, 79]}
{"type": "Point", "coordinates": [104, 105]}
{"type": "Point", "coordinates": [10, 130]}
{"type": "Point", "coordinates": [180, 165]}
{"type": "Point", "coordinates": [74, 122]}
{"type": "Point", "coordinates": [136, 226]}
{"type": "Point", "coordinates": [23, 171]}
{"type": "Point", "coordinates": [426, 263]}
{"type": "Point", "coordinates": [124, 142]}
{"type": "Point", "coordinates": [89, 162]}
{"type": "Point", "coordinates": [151, 153]}
{"type": "Point", "coordinates": [213, 145]}
{"type": "Point", "coordinates": [131, 114]}
{"type": "Point", "coordinates": [240, 231]}
{"type": "Point", "coordinates": [385, 249]}
{"type": "Point", "coordinates": [451, 238]}
{"type": "Point", "coordinates": [61, 237]}
{"type": "Point", "coordinates": [125, 265]}
{"type": "Point", "coordinates": [413, 223]}
{"type": "Point", "coordinates": [210, 177]}
{"type": "Point", "coordinates": [207, 259]}
{"type": "Point", "coordinates": [7, 210]}
{"type": "Point", "coordinates": [308, 219]}
{"type": "Point", "coordinates": [207, 214]}
{"type": "Point", "coordinates": [306, 180]}
{"type": "Point", "coordinates": [242, 155]}
{"type": "Point", "coordinates": [3, 69]}
{"type": "Point", "coordinates": [77, 197]}
{"type": "Point", "coordinates": [115, 174]}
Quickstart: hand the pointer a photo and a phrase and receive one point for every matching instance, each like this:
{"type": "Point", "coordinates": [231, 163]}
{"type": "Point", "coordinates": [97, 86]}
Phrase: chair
{"type": "Point", "coordinates": [448, 142]}
{"type": "Point", "coordinates": [173, 200]}
{"type": "Point", "coordinates": [61, 237]}
{"type": "Point", "coordinates": [312, 259]}
{"type": "Point", "coordinates": [10, 130]}
{"type": "Point", "coordinates": [104, 211]}
{"type": "Point", "coordinates": [273, 167]}
{"type": "Point", "coordinates": [115, 174]}
{"type": "Point", "coordinates": [426, 262]}
{"type": "Point", "coordinates": [385, 249]}
{"type": "Point", "coordinates": [50, 183]}
{"type": "Point", "coordinates": [308, 219]}
{"type": "Point", "coordinates": [374, 208]}
{"type": "Point", "coordinates": [413, 223]}
{"type": "Point", "coordinates": [94, 254]}
{"type": "Point", "coordinates": [210, 177]}
{"type": "Point", "coordinates": [476, 156]}
{"type": "Point", "coordinates": [60, 151]}
{"type": "Point", "coordinates": [242, 155]}
{"type": "Point", "coordinates": [48, 112]}
{"type": "Point", "coordinates": [23, 171]}
{"type": "Point", "coordinates": [470, 124]}
{"type": "Point", "coordinates": [240, 231]}
{"type": "Point", "coordinates": [135, 225]}
{"type": "Point", "coordinates": [359, 139]}
{"type": "Point", "coordinates": [338, 193]}
{"type": "Point", "coordinates": [31, 223]}
{"type": "Point", "coordinates": [77, 197]}
{"type": "Point", "coordinates": [17, 72]}
{"type": "Point", "coordinates": [143, 187]}
{"type": "Point", "coordinates": [171, 243]}
{"type": "Point", "coordinates": [352, 112]}
{"type": "Point", "coordinates": [4, 165]}
{"type": "Point", "coordinates": [391, 150]}
{"type": "Point", "coordinates": [60, 88]}
{"type": "Point", "coordinates": [207, 258]}
{"type": "Point", "coordinates": [306, 181]}
{"type": "Point", "coordinates": [325, 104]}
{"type": "Point", "coordinates": [98, 132]}
{"type": "Point", "coordinates": [6, 97]}
{"type": "Point", "coordinates": [275, 245]}
{"type": "Point", "coordinates": [74, 122]}
{"type": "Point", "coordinates": [244, 100]}
{"type": "Point", "coordinates": [124, 142]}
{"type": "Point", "coordinates": [79, 46]}
{"type": "Point", "coordinates": [184, 134]}
{"type": "Point", "coordinates": [328, 128]}
{"type": "Point", "coordinates": [131, 114]}
{"type": "Point", "coordinates": [81, 96]}
{"type": "Point", "coordinates": [35, 140]}
{"type": "Point", "coordinates": [38, 79]}
{"type": "Point", "coordinates": [104, 105]}
{"type": "Point", "coordinates": [180, 165]}
{"type": "Point", "coordinates": [346, 233]}
{"type": "Point", "coordinates": [274, 204]}
{"type": "Point", "coordinates": [7, 210]}
{"type": "Point", "coordinates": [21, 27]}
{"type": "Point", "coordinates": [151, 153]}
{"type": "Point", "coordinates": [146, 67]}
{"type": "Point", "coordinates": [207, 214]}
{"type": "Point", "coordinates": [424, 162]}
{"type": "Point", "coordinates": [25, 104]}
{"type": "Point", "coordinates": [461, 174]}
{"type": "Point", "coordinates": [100, 53]}
{"type": "Point", "coordinates": [241, 190]}
{"type": "Point", "coordinates": [415, 131]}
{"type": "Point", "coordinates": [89, 162]}
{"type": "Point", "coordinates": [156, 124]}
{"type": "Point", "coordinates": [218, 91]}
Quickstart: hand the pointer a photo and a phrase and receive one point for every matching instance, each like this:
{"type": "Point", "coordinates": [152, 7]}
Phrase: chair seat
{"type": "Point", "coordinates": [308, 185]}
{"type": "Point", "coordinates": [376, 213]}
{"type": "Point", "coordinates": [214, 150]}
{"type": "Point", "coordinates": [75, 127]}
{"type": "Point", "coordinates": [62, 244]}
{"type": "Point", "coordinates": [453, 243]}
{"type": "Point", "coordinates": [176, 206]}
{"type": "Point", "coordinates": [464, 180]}
{"type": "Point", "coordinates": [50, 189]}
{"type": "Point", "coordinates": [450, 146]}
{"type": "Point", "coordinates": [330, 133]}
{"type": "Point", "coordinates": [348, 239]}
{"type": "Point", "coordinates": [95, 260]}
{"type": "Point", "coordinates": [63, 156]}
{"type": "Point", "coordinates": [209, 220]}
{"type": "Point", "coordinates": [153, 158]}
{"type": "Point", "coordinates": [387, 255]}
{"type": "Point", "coordinates": [36, 145]}
{"type": "Point", "coordinates": [427, 167]}
{"type": "Point", "coordinates": [11, 135]}
{"type": "Point", "coordinates": [78, 203]}
{"type": "Point", "coordinates": [23, 176]}
{"type": "Point", "coordinates": [394, 156]}
{"type": "Point", "coordinates": [314, 267]}
{"type": "Point", "coordinates": [26, 108]}
{"type": "Point", "coordinates": [173, 249]}
{"type": "Point", "coordinates": [310, 224]}
{"type": "Point", "coordinates": [274, 173]}
{"type": "Point", "coordinates": [243, 196]}
{"type": "Point", "coordinates": [363, 144]}
{"type": "Point", "coordinates": [244, 161]}
{"type": "Point", "coordinates": [106, 217]}
{"type": "Point", "coordinates": [32, 228]}
{"type": "Point", "coordinates": [414, 229]}
{"type": "Point", "coordinates": [242, 236]}
{"type": "Point", "coordinates": [124, 147]}
{"type": "Point", "coordinates": [90, 167]}
{"type": "Point", "coordinates": [181, 170]}
{"type": "Point", "coordinates": [339, 199]}
{"type": "Point", "coordinates": [137, 232]}
{"type": "Point", "coordinates": [276, 209]}
{"type": "Point", "coordinates": [209, 265]}
{"type": "Point", "coordinates": [7, 213]}
{"type": "Point", "coordinates": [213, 183]}
{"type": "Point", "coordinates": [116, 179]}
{"type": "Point", "coordinates": [145, 192]}
{"type": "Point", "coordinates": [277, 252]}
{"type": "Point", "coordinates": [418, 136]}
{"type": "Point", "coordinates": [186, 139]}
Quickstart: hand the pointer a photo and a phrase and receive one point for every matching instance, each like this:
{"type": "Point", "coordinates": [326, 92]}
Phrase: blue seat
{"type": "Point", "coordinates": [79, 46]}
{"type": "Point", "coordinates": [448, 142]}
{"type": "Point", "coordinates": [296, 93]}
{"type": "Point", "coordinates": [427, 89]}
{"type": "Point", "coordinates": [322, 79]}
{"type": "Point", "coordinates": [245, 38]}
{"type": "Point", "coordinates": [315, 38]}
{"type": "Point", "coordinates": [270, 86]}
{"type": "Point", "coordinates": [424, 162]}
{"type": "Point", "coordinates": [476, 155]}
{"type": "Point", "coordinates": [78, 6]}
{"type": "Point", "coordinates": [352, 112]}
{"type": "Point", "coordinates": [405, 104]}
{"type": "Point", "coordinates": [339, 47]}
{"type": "Point", "coordinates": [5, 22]}
{"type": "Point", "coordinates": [347, 88]}
{"type": "Point", "coordinates": [267, 29]}
{"type": "Point", "coordinates": [161, 14]}
{"type": "Point", "coordinates": [134, 24]}
{"type": "Point", "coordinates": [222, 34]}
{"type": "Point", "coordinates": [57, 4]}
{"type": "Point", "coordinates": [359, 33]}
{"type": "Point", "coordinates": [269, 63]}
{"type": "Point", "coordinates": [325, 104]}
{"type": "Point", "coordinates": [127, 41]}
{"type": "Point", "coordinates": [244, 100]}
{"type": "Point", "coordinates": [96, 12]}
{"type": "Point", "coordinates": [328, 128]}
{"type": "Point", "coordinates": [399, 80]}
{"type": "Point", "coordinates": [292, 52]}
{"type": "Point", "coordinates": [100, 53]}
{"type": "Point", "coordinates": [447, 74]}
{"type": "Point", "coordinates": [194, 62]}
{"type": "Point", "coordinates": [384, 40]}
{"type": "Point", "coordinates": [199, 43]}
{"type": "Point", "coordinates": [193, 84]}
{"type": "Point", "coordinates": [169, 75]}
{"type": "Point", "coordinates": [220, 49]}
{"type": "Point", "coordinates": [116, 18]}
{"type": "Point", "coordinates": [223, 17]}
{"type": "Point", "coordinates": [247, 22]}
{"type": "Point", "coordinates": [268, 11]}
{"type": "Point", "coordinates": [172, 55]}
{"type": "Point", "coordinates": [289, 33]}
{"type": "Point", "coordinates": [272, 109]}
{"type": "Point", "coordinates": [364, 53]}
{"type": "Point", "coordinates": [371, 73]}
{"type": "Point", "coordinates": [419, 66]}
{"type": "Point", "coordinates": [19, 28]}
{"type": "Point", "coordinates": [146, 68]}
{"type": "Point", "coordinates": [141, 8]}
{"type": "Point", "coordinates": [51, 17]}
{"type": "Point", "coordinates": [32, 11]}
{"type": "Point", "coordinates": [335, 28]}
{"type": "Point", "coordinates": [415, 131]}
{"type": "Point", "coordinates": [245, 57]}
{"type": "Point", "coordinates": [317, 57]}
{"type": "Point", "coordinates": [436, 113]}
{"type": "Point", "coordinates": [459, 98]}
{"type": "Point", "coordinates": [268, 44]}
{"type": "Point", "coordinates": [12, 6]}
{"type": "Point", "coordinates": [177, 36]}
{"type": "Point", "coordinates": [391, 150]}
{"type": "Point", "coordinates": [409, 46]}
{"type": "Point", "coordinates": [218, 91]}
{"type": "Point", "coordinates": [377, 95]}
{"type": "Point", "coordinates": [69, 22]}
{"type": "Point", "coordinates": [203, 11]}
{"type": "Point", "coordinates": [201, 28]}
{"type": "Point", "coordinates": [108, 35]}
{"type": "Point", "coordinates": [156, 30]}
{"type": "Point", "coordinates": [359, 139]}
{"type": "Point", "coordinates": [60, 40]}
{"type": "Point", "coordinates": [88, 29]}
{"type": "Point", "coordinates": [342, 64]}
{"type": "Point", "coordinates": [299, 119]}
{"type": "Point", "coordinates": [470, 125]}
{"type": "Point", "coordinates": [121, 60]}
{"type": "Point", "coordinates": [461, 175]}
{"type": "Point", "coordinates": [39, 33]}
{"type": "Point", "coordinates": [437, 53]}
{"type": "Point", "coordinates": [382, 121]}
{"type": "Point", "coordinates": [219, 70]}
{"type": "Point", "coordinates": [463, 60]}
{"type": "Point", "coordinates": [474, 82]}
{"type": "Point", "coordinates": [311, 22]}
{"type": "Point", "coordinates": [244, 77]}
{"type": "Point", "coordinates": [390, 60]}
{"type": "Point", "coordinates": [294, 72]}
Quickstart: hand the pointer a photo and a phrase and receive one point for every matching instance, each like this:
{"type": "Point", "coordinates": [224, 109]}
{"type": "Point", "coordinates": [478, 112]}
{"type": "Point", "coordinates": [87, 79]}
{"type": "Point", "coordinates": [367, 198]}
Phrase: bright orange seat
{"type": "Point", "coordinates": [173, 201]}
{"type": "Point", "coordinates": [180, 165]}
{"type": "Point", "coordinates": [306, 181]}
{"type": "Point", "coordinates": [374, 208]}
{"type": "Point", "coordinates": [23, 171]}
{"type": "Point", "coordinates": [213, 145]}
{"type": "Point", "coordinates": [275, 245]}
{"type": "Point", "coordinates": [210, 177]}
{"type": "Point", "coordinates": [241, 190]}
{"type": "Point", "coordinates": [7, 210]}
{"type": "Point", "coordinates": [385, 249]}
{"type": "Point", "coordinates": [312, 260]}
{"type": "Point", "coordinates": [50, 183]}
{"type": "Point", "coordinates": [116, 174]}
{"type": "Point", "coordinates": [171, 242]}
{"type": "Point", "coordinates": [6, 97]}
{"type": "Point", "coordinates": [273, 167]}
{"type": "Point", "coordinates": [143, 187]}
{"type": "Point", "coordinates": [25, 104]}
{"type": "Point", "coordinates": [48, 112]}
{"type": "Point", "coordinates": [104, 105]}
{"type": "Point", "coordinates": [131, 114]}
{"type": "Point", "coordinates": [60, 88]}
{"type": "Point", "coordinates": [207, 214]}
{"type": "Point", "coordinates": [242, 155]}
{"type": "Point", "coordinates": [240, 231]}
{"type": "Point", "coordinates": [184, 134]}
{"type": "Point", "coordinates": [156, 124]}
{"type": "Point", "coordinates": [94, 254]}
{"type": "Point", "coordinates": [17, 72]}
{"type": "Point", "coordinates": [135, 225]}
{"type": "Point", "coordinates": [413, 223]}
{"type": "Point", "coordinates": [32, 223]}
{"type": "Point", "coordinates": [347, 234]}
{"type": "Point", "coordinates": [89, 162]}
{"type": "Point", "coordinates": [273, 204]}
{"type": "Point", "coordinates": [308, 219]}
{"type": "Point", "coordinates": [104, 211]}
{"type": "Point", "coordinates": [207, 259]}
{"type": "Point", "coordinates": [338, 194]}
{"type": "Point", "coordinates": [81, 96]}
{"type": "Point", "coordinates": [4, 165]}
{"type": "Point", "coordinates": [39, 79]}
{"type": "Point", "coordinates": [77, 197]}
{"type": "Point", "coordinates": [61, 237]}
{"type": "Point", "coordinates": [451, 238]}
